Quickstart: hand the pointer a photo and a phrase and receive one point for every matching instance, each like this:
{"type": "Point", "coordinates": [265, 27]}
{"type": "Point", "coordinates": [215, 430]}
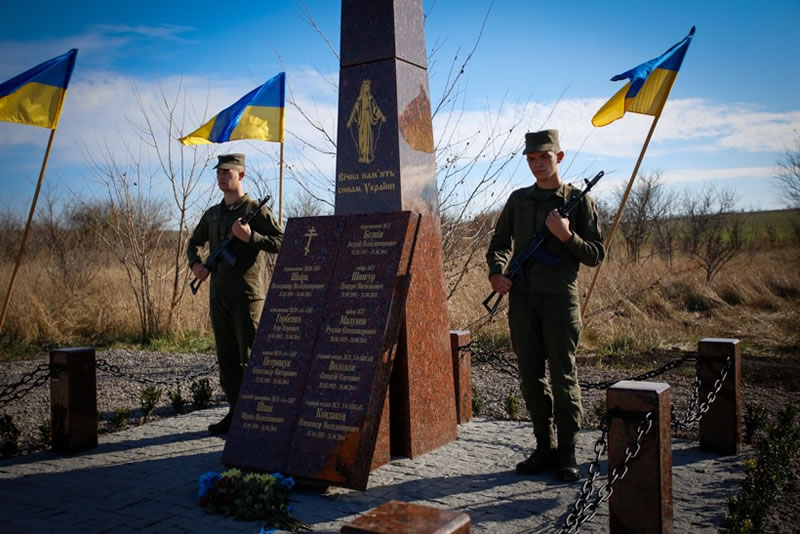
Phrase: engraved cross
{"type": "Point", "coordinates": [311, 233]}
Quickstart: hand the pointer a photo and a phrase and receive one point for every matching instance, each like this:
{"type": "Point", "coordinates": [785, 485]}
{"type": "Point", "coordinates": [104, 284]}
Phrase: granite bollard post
{"type": "Point", "coordinates": [73, 399]}
{"type": "Point", "coordinates": [642, 499]}
{"type": "Point", "coordinates": [721, 425]}
{"type": "Point", "coordinates": [462, 374]}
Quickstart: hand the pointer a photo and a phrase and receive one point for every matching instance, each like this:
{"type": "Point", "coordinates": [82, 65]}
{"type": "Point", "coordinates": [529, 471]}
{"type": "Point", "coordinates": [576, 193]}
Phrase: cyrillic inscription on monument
{"type": "Point", "coordinates": [312, 396]}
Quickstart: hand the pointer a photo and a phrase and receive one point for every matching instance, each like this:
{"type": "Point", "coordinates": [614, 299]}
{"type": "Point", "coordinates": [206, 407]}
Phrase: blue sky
{"type": "Point", "coordinates": [732, 113]}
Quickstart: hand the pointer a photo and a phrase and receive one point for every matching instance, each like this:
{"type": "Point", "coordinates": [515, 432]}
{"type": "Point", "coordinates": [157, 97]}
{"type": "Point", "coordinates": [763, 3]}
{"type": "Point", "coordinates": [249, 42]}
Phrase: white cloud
{"type": "Point", "coordinates": [165, 32]}
{"type": "Point", "coordinates": [102, 43]}
{"type": "Point", "coordinates": [101, 106]}
{"type": "Point", "coordinates": [102, 115]}
{"type": "Point", "coordinates": [687, 128]}
{"type": "Point", "coordinates": [696, 125]}
{"type": "Point", "coordinates": [674, 176]}
{"type": "Point", "coordinates": [688, 125]}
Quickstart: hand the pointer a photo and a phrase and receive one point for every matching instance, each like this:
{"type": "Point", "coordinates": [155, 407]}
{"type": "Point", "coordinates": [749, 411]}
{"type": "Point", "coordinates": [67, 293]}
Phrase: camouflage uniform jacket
{"type": "Point", "coordinates": [524, 214]}
{"type": "Point", "coordinates": [245, 279]}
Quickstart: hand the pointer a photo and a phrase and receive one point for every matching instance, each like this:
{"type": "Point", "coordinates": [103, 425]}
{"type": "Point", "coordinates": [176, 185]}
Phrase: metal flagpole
{"type": "Point", "coordinates": [27, 229]}
{"type": "Point", "coordinates": [619, 214]}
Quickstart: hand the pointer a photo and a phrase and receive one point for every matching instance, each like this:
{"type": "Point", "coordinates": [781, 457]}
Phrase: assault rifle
{"type": "Point", "coordinates": [538, 240]}
{"type": "Point", "coordinates": [221, 250]}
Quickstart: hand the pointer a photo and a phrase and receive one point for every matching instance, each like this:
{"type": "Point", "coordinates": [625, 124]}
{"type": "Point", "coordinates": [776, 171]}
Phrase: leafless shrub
{"type": "Point", "coordinates": [771, 231]}
{"type": "Point", "coordinates": [157, 127]}
{"type": "Point", "coordinates": [714, 233]}
{"type": "Point", "coordinates": [648, 219]}
{"type": "Point", "coordinates": [796, 229]}
{"type": "Point", "coordinates": [134, 221]}
{"type": "Point", "coordinates": [305, 205]}
{"type": "Point", "coordinates": [132, 228]}
{"type": "Point", "coordinates": [73, 260]}
{"type": "Point", "coordinates": [788, 177]}
{"type": "Point", "coordinates": [636, 221]}
{"type": "Point", "coordinates": [11, 227]}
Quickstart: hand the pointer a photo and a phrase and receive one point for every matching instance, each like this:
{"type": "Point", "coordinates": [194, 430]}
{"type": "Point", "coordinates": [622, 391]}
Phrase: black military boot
{"type": "Point", "coordinates": [542, 459]}
{"type": "Point", "coordinates": [222, 427]}
{"type": "Point", "coordinates": [567, 465]}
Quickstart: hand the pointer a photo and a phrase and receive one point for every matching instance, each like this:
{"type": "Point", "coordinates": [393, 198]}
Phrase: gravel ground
{"type": "Point", "coordinates": [117, 390]}
{"type": "Point", "coordinates": [772, 382]}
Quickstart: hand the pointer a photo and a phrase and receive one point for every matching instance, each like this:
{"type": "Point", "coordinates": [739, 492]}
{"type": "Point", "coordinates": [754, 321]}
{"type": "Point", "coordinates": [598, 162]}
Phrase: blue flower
{"type": "Point", "coordinates": [287, 482]}
{"type": "Point", "coordinates": [270, 531]}
{"type": "Point", "coordinates": [206, 482]}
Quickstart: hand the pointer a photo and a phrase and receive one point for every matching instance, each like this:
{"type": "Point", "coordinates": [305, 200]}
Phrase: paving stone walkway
{"type": "Point", "coordinates": [144, 479]}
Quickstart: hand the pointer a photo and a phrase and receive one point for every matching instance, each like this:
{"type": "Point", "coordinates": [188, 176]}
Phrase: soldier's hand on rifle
{"type": "Point", "coordinates": [501, 284]}
{"type": "Point", "coordinates": [558, 226]}
{"type": "Point", "coordinates": [200, 271]}
{"type": "Point", "coordinates": [241, 231]}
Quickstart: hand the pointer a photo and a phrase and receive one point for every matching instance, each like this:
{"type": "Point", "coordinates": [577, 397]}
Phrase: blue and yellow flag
{"type": "Point", "coordinates": [648, 88]}
{"type": "Point", "coordinates": [257, 115]}
{"type": "Point", "coordinates": [35, 97]}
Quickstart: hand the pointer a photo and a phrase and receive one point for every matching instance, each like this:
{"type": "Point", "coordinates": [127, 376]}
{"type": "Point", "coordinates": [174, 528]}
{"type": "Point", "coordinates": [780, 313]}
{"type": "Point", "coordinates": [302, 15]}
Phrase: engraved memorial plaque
{"type": "Point", "coordinates": [347, 381]}
{"type": "Point", "coordinates": [313, 394]}
{"type": "Point", "coordinates": [274, 381]}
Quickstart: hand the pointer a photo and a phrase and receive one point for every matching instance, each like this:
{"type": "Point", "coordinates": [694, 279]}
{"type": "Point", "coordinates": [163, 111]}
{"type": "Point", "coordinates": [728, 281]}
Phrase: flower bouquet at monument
{"type": "Point", "coordinates": [250, 497]}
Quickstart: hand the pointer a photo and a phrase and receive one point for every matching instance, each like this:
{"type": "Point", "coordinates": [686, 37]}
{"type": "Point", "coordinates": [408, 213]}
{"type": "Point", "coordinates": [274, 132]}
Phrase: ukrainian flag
{"type": "Point", "coordinates": [648, 88]}
{"type": "Point", "coordinates": [35, 97]}
{"type": "Point", "coordinates": [257, 115]}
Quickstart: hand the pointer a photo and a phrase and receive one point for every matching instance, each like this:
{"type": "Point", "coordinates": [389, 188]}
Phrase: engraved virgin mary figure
{"type": "Point", "coordinates": [367, 117]}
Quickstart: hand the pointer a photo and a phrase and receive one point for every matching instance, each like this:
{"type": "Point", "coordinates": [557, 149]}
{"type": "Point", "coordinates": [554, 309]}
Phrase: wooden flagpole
{"type": "Point", "coordinates": [619, 213]}
{"type": "Point", "coordinates": [280, 190]}
{"type": "Point", "coordinates": [27, 229]}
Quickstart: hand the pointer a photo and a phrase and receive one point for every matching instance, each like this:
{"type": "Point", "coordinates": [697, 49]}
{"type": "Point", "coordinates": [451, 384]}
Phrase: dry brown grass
{"type": "Point", "coordinates": [635, 307]}
{"type": "Point", "coordinates": [46, 310]}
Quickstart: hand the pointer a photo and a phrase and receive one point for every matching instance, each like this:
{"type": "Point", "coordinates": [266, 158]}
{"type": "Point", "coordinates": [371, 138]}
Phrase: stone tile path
{"type": "Point", "coordinates": [144, 479]}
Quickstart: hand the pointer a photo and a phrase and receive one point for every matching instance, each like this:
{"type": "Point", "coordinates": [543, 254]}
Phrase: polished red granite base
{"type": "Point", "coordinates": [395, 517]}
{"type": "Point", "coordinates": [423, 393]}
{"type": "Point", "coordinates": [462, 374]}
{"type": "Point", "coordinates": [642, 500]}
{"type": "Point", "coordinates": [382, 454]}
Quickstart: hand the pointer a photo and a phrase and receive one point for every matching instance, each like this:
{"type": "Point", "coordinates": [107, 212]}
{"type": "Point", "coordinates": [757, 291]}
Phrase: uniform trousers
{"type": "Point", "coordinates": [545, 329]}
{"type": "Point", "coordinates": [234, 322]}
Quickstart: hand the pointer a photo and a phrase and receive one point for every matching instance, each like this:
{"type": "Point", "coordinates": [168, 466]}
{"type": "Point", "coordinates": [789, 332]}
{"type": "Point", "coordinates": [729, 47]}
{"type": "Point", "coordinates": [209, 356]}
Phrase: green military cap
{"type": "Point", "coordinates": [541, 141]}
{"type": "Point", "coordinates": [230, 161]}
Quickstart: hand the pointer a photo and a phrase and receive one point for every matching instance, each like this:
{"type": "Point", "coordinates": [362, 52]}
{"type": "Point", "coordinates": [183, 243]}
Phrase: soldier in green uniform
{"type": "Point", "coordinates": [544, 310]}
{"type": "Point", "coordinates": [237, 291]}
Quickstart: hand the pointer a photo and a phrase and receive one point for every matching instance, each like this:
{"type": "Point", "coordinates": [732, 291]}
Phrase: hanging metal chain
{"type": "Point", "coordinates": [588, 488]}
{"type": "Point", "coordinates": [669, 366]}
{"type": "Point", "coordinates": [41, 374]}
{"type": "Point", "coordinates": [506, 363]}
{"type": "Point", "coordinates": [114, 370]}
{"type": "Point", "coordinates": [694, 413]}
{"type": "Point", "coordinates": [28, 382]}
{"type": "Point", "coordinates": [589, 500]}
